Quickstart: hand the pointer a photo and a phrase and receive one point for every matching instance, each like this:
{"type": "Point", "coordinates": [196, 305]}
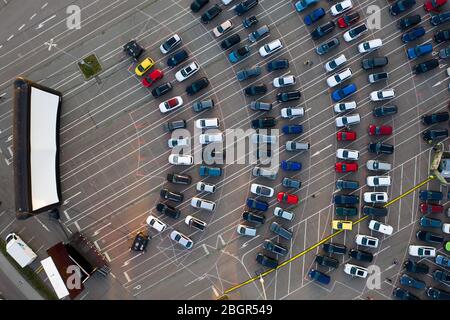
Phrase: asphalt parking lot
{"type": "Point", "coordinates": [114, 151]}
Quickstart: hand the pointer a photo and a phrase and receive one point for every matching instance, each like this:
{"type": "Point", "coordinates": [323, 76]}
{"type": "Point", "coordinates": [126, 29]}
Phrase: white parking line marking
{"type": "Point", "coordinates": [68, 199]}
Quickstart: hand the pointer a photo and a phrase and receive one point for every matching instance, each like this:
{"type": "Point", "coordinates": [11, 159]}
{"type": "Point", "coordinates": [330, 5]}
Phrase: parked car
{"type": "Point", "coordinates": [177, 58]}
{"type": "Point", "coordinates": [433, 5]}
{"type": "Point", "coordinates": [254, 217]}
{"type": "Point", "coordinates": [335, 63]}
{"type": "Point", "coordinates": [434, 134]}
{"type": "Point", "coordinates": [284, 214]}
{"type": "Point", "coordinates": [291, 183]}
{"type": "Point", "coordinates": [327, 46]}
{"type": "Point", "coordinates": [197, 86]}
{"type": "Point", "coordinates": [318, 276]}
{"type": "Point", "coordinates": [222, 28]}
{"type": "Point", "coordinates": [152, 77]}
{"type": "Point", "coordinates": [428, 222]}
{"type": "Point", "coordinates": [426, 208]}
{"type": "Point", "coordinates": [187, 71]}
{"type": "Point", "coordinates": [162, 90]}
{"type": "Point", "coordinates": [441, 276]}
{"type": "Point", "coordinates": [361, 255]}
{"type": "Point", "coordinates": [441, 18]}
{"type": "Point", "coordinates": [174, 125]}
{"type": "Point", "coordinates": [348, 20]}
{"type": "Point", "coordinates": [254, 90]}
{"type": "Point", "coordinates": [195, 223]}
{"type": "Point", "coordinates": [416, 267]}
{"type": "Point", "coordinates": [276, 228]}
{"type": "Point", "coordinates": [262, 190]}
{"type": "Point", "coordinates": [345, 199]}
{"type": "Point", "coordinates": [171, 195]}
{"type": "Point", "coordinates": [155, 223]}
{"type": "Point", "coordinates": [421, 251]}
{"type": "Point", "coordinates": [343, 167]}
{"type": "Point", "coordinates": [177, 178]}
{"type": "Point", "coordinates": [342, 225]}
{"type": "Point", "coordinates": [144, 66]}
{"type": "Point", "coordinates": [245, 6]}
{"type": "Point", "coordinates": [343, 92]}
{"type": "Point", "coordinates": [210, 14]}
{"type": "Point", "coordinates": [133, 49]}
{"type": "Point", "coordinates": [346, 136]}
{"type": "Point", "coordinates": [341, 7]}
{"type": "Point", "coordinates": [290, 112]}
{"type": "Point", "coordinates": [346, 211]}
{"type": "Point", "coordinates": [355, 271]}
{"type": "Point", "coordinates": [403, 294]}
{"type": "Point", "coordinates": [429, 237]}
{"type": "Point", "coordinates": [275, 247]}
{"type": "Point", "coordinates": [433, 118]}
{"type": "Point", "coordinates": [409, 21]}
{"type": "Point", "coordinates": [244, 230]}
{"type": "Point", "coordinates": [375, 211]}
{"type": "Point", "coordinates": [367, 241]}
{"type": "Point", "coordinates": [444, 53]}
{"type": "Point", "coordinates": [378, 181]}
{"type": "Point", "coordinates": [355, 32]}
{"type": "Point", "coordinates": [264, 173]}
{"type": "Point", "coordinates": [168, 210]}
{"type": "Point", "coordinates": [204, 204]}
{"type": "Point", "coordinates": [314, 16]}
{"type": "Point", "coordinates": [205, 187]}
{"type": "Point", "coordinates": [348, 120]}
{"type": "Point", "coordinates": [442, 35]}
{"type": "Point", "coordinates": [401, 6]}
{"type": "Point", "coordinates": [171, 104]}
{"type": "Point", "coordinates": [442, 260]}
{"type": "Point", "coordinates": [284, 197]}
{"type": "Point", "coordinates": [381, 148]}
{"type": "Point", "coordinates": [284, 81]}
{"type": "Point", "coordinates": [230, 41]}
{"type": "Point", "coordinates": [425, 66]}
{"type": "Point", "coordinates": [288, 96]}
{"type": "Point", "coordinates": [413, 34]}
{"type": "Point", "coordinates": [259, 205]}
{"type": "Point", "coordinates": [170, 44]}
{"type": "Point", "coordinates": [302, 5]}
{"type": "Point", "coordinates": [339, 77]}
{"type": "Point", "coordinates": [375, 197]}
{"type": "Point", "coordinates": [206, 171]}
{"type": "Point", "coordinates": [347, 154]}
{"type": "Point", "coordinates": [263, 123]}
{"type": "Point", "coordinates": [372, 63]}
{"type": "Point", "coordinates": [277, 65]}
{"type": "Point", "coordinates": [178, 142]}
{"type": "Point", "coordinates": [334, 248]}
{"type": "Point", "coordinates": [382, 95]}
{"type": "Point", "coordinates": [430, 195]}
{"type": "Point", "coordinates": [437, 294]}
{"type": "Point", "coordinates": [347, 185]}
{"type": "Point", "coordinates": [375, 77]}
{"type": "Point", "coordinates": [375, 165]}
{"type": "Point", "coordinates": [197, 5]}
{"type": "Point", "coordinates": [326, 261]}
{"type": "Point", "coordinates": [385, 110]}
{"type": "Point", "coordinates": [199, 106]}
{"type": "Point", "coordinates": [259, 33]}
{"type": "Point", "coordinates": [290, 165]}
{"type": "Point", "coordinates": [250, 21]}
{"type": "Point", "coordinates": [369, 46]}
{"type": "Point", "coordinates": [208, 123]}
{"type": "Point", "coordinates": [375, 130]}
{"type": "Point", "coordinates": [374, 225]}
{"type": "Point", "coordinates": [181, 239]}
{"type": "Point", "coordinates": [248, 73]}
{"type": "Point", "coordinates": [323, 30]}
{"type": "Point", "coordinates": [266, 261]}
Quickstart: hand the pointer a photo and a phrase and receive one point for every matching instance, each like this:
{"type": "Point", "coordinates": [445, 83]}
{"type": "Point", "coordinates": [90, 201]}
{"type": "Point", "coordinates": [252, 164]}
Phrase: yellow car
{"type": "Point", "coordinates": [342, 225]}
{"type": "Point", "coordinates": [144, 66]}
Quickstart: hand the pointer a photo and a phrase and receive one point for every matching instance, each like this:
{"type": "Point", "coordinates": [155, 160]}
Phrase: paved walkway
{"type": "Point", "coordinates": [15, 287]}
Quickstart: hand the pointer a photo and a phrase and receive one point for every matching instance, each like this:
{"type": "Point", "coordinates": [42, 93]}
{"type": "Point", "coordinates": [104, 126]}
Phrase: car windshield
{"type": "Point", "coordinates": [333, 64]}
{"type": "Point", "coordinates": [360, 273]}
{"type": "Point", "coordinates": [337, 78]}
{"type": "Point", "coordinates": [339, 7]}
{"type": "Point", "coordinates": [345, 154]}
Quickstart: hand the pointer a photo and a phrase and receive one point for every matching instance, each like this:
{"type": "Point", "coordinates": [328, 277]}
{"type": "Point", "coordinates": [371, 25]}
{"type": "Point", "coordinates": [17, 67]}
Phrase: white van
{"type": "Point", "coordinates": [19, 250]}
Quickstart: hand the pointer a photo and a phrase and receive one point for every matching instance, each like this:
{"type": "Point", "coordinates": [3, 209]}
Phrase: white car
{"type": "Point", "coordinates": [203, 204]}
{"type": "Point", "coordinates": [370, 45]}
{"type": "Point", "coordinates": [181, 239]}
{"type": "Point", "coordinates": [339, 77]}
{"type": "Point", "coordinates": [375, 197]}
{"type": "Point", "coordinates": [366, 241]}
{"type": "Point", "coordinates": [381, 227]}
{"type": "Point", "coordinates": [176, 159]}
{"type": "Point", "coordinates": [195, 223]}
{"type": "Point", "coordinates": [290, 112]}
{"type": "Point", "coordinates": [170, 44]}
{"type": "Point", "coordinates": [341, 7]}
{"type": "Point", "coordinates": [178, 142]}
{"type": "Point", "coordinates": [270, 48]}
{"type": "Point", "coordinates": [344, 106]}
{"type": "Point", "coordinates": [348, 120]}
{"type": "Point", "coordinates": [244, 230]}
{"type": "Point", "coordinates": [378, 181]}
{"type": "Point", "coordinates": [347, 154]}
{"type": "Point", "coordinates": [262, 190]}
{"type": "Point", "coordinates": [335, 63]}
{"type": "Point", "coordinates": [156, 224]}
{"type": "Point", "coordinates": [210, 138]}
{"type": "Point", "coordinates": [375, 165]}
{"type": "Point", "coordinates": [355, 271]}
{"type": "Point", "coordinates": [205, 187]}
{"type": "Point", "coordinates": [171, 104]}
{"type": "Point", "coordinates": [262, 138]}
{"type": "Point", "coordinates": [279, 212]}
{"type": "Point", "coordinates": [208, 123]}
{"type": "Point", "coordinates": [355, 32]}
{"type": "Point", "coordinates": [284, 81]}
{"type": "Point", "coordinates": [446, 228]}
{"type": "Point", "coordinates": [187, 71]}
{"type": "Point", "coordinates": [382, 95]}
{"type": "Point", "coordinates": [223, 28]}
{"type": "Point", "coordinates": [422, 251]}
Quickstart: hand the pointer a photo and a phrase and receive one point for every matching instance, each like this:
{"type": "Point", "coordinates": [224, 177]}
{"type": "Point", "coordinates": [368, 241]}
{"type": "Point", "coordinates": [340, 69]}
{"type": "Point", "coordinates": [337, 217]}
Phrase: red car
{"type": "Point", "coordinates": [346, 136]}
{"type": "Point", "coordinates": [346, 167]}
{"type": "Point", "coordinates": [431, 208]}
{"type": "Point", "coordinates": [287, 197]}
{"type": "Point", "coordinates": [380, 130]}
{"type": "Point", "coordinates": [433, 5]}
{"type": "Point", "coordinates": [152, 77]}
{"type": "Point", "coordinates": [348, 20]}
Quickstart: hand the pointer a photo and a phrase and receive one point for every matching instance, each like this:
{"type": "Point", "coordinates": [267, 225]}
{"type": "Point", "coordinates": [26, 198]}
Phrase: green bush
{"type": "Point", "coordinates": [91, 66]}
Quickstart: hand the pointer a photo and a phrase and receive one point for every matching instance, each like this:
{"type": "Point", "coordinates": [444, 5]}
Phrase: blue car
{"type": "Point", "coordinates": [292, 129]}
{"type": "Point", "coordinates": [414, 34]}
{"type": "Point", "coordinates": [257, 204]}
{"type": "Point", "coordinates": [412, 282]}
{"type": "Point", "coordinates": [419, 51]}
{"type": "Point", "coordinates": [430, 222]}
{"type": "Point", "coordinates": [206, 171]}
{"type": "Point", "coordinates": [239, 54]}
{"type": "Point", "coordinates": [318, 276]}
{"type": "Point", "coordinates": [440, 18]}
{"type": "Point", "coordinates": [344, 92]}
{"type": "Point", "coordinates": [442, 260]}
{"type": "Point", "coordinates": [314, 16]}
{"type": "Point", "coordinates": [290, 165]}
{"type": "Point", "coordinates": [303, 4]}
{"type": "Point", "coordinates": [430, 195]}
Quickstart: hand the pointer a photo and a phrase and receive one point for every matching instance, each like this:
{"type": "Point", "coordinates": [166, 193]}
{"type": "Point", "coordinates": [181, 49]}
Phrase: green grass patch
{"type": "Point", "coordinates": [29, 275]}
{"type": "Point", "coordinates": [90, 67]}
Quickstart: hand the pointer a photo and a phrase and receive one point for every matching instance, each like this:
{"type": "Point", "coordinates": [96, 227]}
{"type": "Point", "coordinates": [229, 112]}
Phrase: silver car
{"type": "Point", "coordinates": [264, 173]}
{"type": "Point", "coordinates": [244, 230]}
{"type": "Point", "coordinates": [297, 146]}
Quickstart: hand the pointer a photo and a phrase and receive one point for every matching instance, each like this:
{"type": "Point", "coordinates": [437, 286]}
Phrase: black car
{"type": "Point", "coordinates": [266, 261]}
{"type": "Point", "coordinates": [171, 195]}
{"type": "Point", "coordinates": [257, 89]}
{"type": "Point", "coordinates": [334, 248]}
{"type": "Point", "coordinates": [416, 267]}
{"type": "Point", "coordinates": [361, 255]}
{"type": "Point", "coordinates": [437, 294]}
{"type": "Point", "coordinates": [275, 247]}
{"type": "Point", "coordinates": [198, 4]}
{"type": "Point", "coordinates": [441, 276]}
{"type": "Point", "coordinates": [373, 63]}
{"type": "Point", "coordinates": [326, 261]}
{"type": "Point", "coordinates": [375, 211]}
{"type": "Point", "coordinates": [347, 184]}
{"type": "Point", "coordinates": [277, 65]}
{"type": "Point", "coordinates": [431, 135]}
{"type": "Point", "coordinates": [382, 111]}
{"type": "Point", "coordinates": [346, 199]}
{"type": "Point", "coordinates": [409, 21]}
{"type": "Point", "coordinates": [168, 210]}
{"type": "Point", "coordinates": [133, 49]}
{"type": "Point", "coordinates": [425, 66]}
{"type": "Point", "coordinates": [179, 178]}
{"type": "Point", "coordinates": [199, 106]}
{"type": "Point", "coordinates": [288, 96]}
{"type": "Point", "coordinates": [210, 14]}
{"type": "Point", "coordinates": [440, 18]}
{"type": "Point", "coordinates": [140, 242]}
{"type": "Point", "coordinates": [429, 237]}
{"type": "Point", "coordinates": [177, 58]}
{"type": "Point", "coordinates": [262, 123]}
{"type": "Point", "coordinates": [245, 6]}
{"type": "Point", "coordinates": [197, 86]}
{"type": "Point", "coordinates": [346, 211]}
{"type": "Point", "coordinates": [442, 35]}
{"type": "Point", "coordinates": [162, 90]}
{"type": "Point", "coordinates": [174, 125]}
{"type": "Point", "coordinates": [401, 6]}
{"type": "Point", "coordinates": [230, 41]}
{"type": "Point", "coordinates": [403, 294]}
{"type": "Point", "coordinates": [380, 148]}
{"type": "Point", "coordinates": [433, 118]}
{"type": "Point", "coordinates": [250, 21]}
{"type": "Point", "coordinates": [253, 217]}
{"type": "Point", "coordinates": [322, 30]}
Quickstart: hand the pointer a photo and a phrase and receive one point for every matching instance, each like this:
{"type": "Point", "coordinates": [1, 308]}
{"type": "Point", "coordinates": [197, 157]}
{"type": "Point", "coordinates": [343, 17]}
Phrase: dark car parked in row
{"type": "Point", "coordinates": [210, 14]}
{"type": "Point", "coordinates": [245, 7]}
{"type": "Point", "coordinates": [347, 184]}
{"type": "Point", "coordinates": [248, 73]}
{"type": "Point", "coordinates": [401, 6]}
{"type": "Point", "coordinates": [383, 111]}
{"type": "Point", "coordinates": [199, 106]}
{"type": "Point", "coordinates": [171, 195]}
{"type": "Point", "coordinates": [323, 30]}
{"type": "Point", "coordinates": [133, 49]}
{"type": "Point", "coordinates": [441, 276]}
{"type": "Point", "coordinates": [425, 66]}
{"type": "Point", "coordinates": [432, 135]}
{"type": "Point", "coordinates": [275, 247]}
{"type": "Point", "coordinates": [162, 90]}
{"type": "Point", "coordinates": [438, 19]}
{"type": "Point", "coordinates": [230, 41]}
{"type": "Point", "coordinates": [288, 96]}
{"type": "Point", "coordinates": [174, 125]}
{"type": "Point", "coordinates": [346, 199]}
{"type": "Point", "coordinates": [263, 123]}
{"type": "Point", "coordinates": [197, 5]}
{"type": "Point", "coordinates": [430, 195]}
{"type": "Point", "coordinates": [380, 148]}
{"type": "Point", "coordinates": [250, 21]}
{"type": "Point", "coordinates": [276, 228]}
{"type": "Point", "coordinates": [429, 237]}
{"type": "Point", "coordinates": [197, 86]}
{"type": "Point", "coordinates": [433, 118]}
{"type": "Point", "coordinates": [179, 178]}
{"type": "Point", "coordinates": [177, 58]}
{"type": "Point", "coordinates": [375, 211]}
{"type": "Point", "coordinates": [168, 210]}
{"type": "Point", "coordinates": [437, 294]}
{"type": "Point", "coordinates": [326, 261]}
{"type": "Point", "coordinates": [318, 276]}
{"type": "Point", "coordinates": [373, 63]}
{"type": "Point", "coordinates": [409, 21]}
{"type": "Point", "coordinates": [409, 281]}
{"type": "Point", "coordinates": [266, 261]}
{"type": "Point", "coordinates": [361, 255]}
{"type": "Point", "coordinates": [334, 248]}
{"type": "Point", "coordinates": [413, 34]}
{"type": "Point", "coordinates": [254, 90]}
{"type": "Point", "coordinates": [442, 35]}
{"type": "Point", "coordinates": [346, 211]}
{"type": "Point", "coordinates": [253, 217]}
{"type": "Point", "coordinates": [416, 267]}
{"type": "Point", "coordinates": [403, 294]}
